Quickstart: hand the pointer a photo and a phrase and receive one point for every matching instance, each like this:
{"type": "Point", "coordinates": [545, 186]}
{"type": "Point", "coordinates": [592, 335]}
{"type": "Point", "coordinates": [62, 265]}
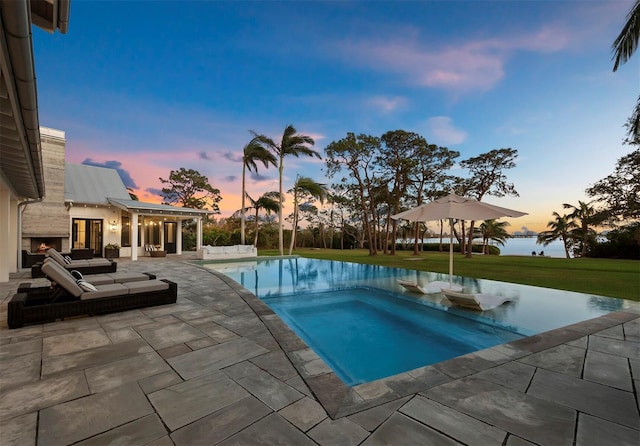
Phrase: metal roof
{"type": "Point", "coordinates": [156, 209]}
{"type": "Point", "coordinates": [92, 185]}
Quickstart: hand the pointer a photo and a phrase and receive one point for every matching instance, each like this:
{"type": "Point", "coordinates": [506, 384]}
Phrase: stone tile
{"type": "Point", "coordinates": [562, 359]}
{"type": "Point", "coordinates": [615, 332]}
{"type": "Point", "coordinates": [125, 322]}
{"type": "Point", "coordinates": [201, 343]}
{"type": "Point", "coordinates": [512, 440]}
{"type": "Point", "coordinates": [20, 348]}
{"type": "Point", "coordinates": [298, 383]}
{"type": "Point", "coordinates": [183, 403]}
{"type": "Point", "coordinates": [548, 339]}
{"type": "Point", "coordinates": [269, 431]}
{"type": "Point", "coordinates": [163, 441]}
{"type": "Point", "coordinates": [221, 424]}
{"type": "Point", "coordinates": [74, 342]}
{"type": "Point", "coordinates": [580, 342]}
{"type": "Point", "coordinates": [263, 386]}
{"type": "Point", "coordinates": [160, 381]}
{"type": "Point", "coordinates": [329, 390]}
{"type": "Point", "coordinates": [402, 430]}
{"type": "Point", "coordinates": [122, 335]}
{"type": "Point", "coordinates": [140, 432]}
{"type": "Point", "coordinates": [85, 417]}
{"type": "Point", "coordinates": [214, 358]}
{"type": "Point", "coordinates": [19, 370]}
{"type": "Point", "coordinates": [462, 427]}
{"type": "Point", "coordinates": [370, 419]}
{"type": "Point", "coordinates": [592, 398]}
{"type": "Point", "coordinates": [340, 432]}
{"type": "Point", "coordinates": [19, 431]}
{"type": "Point", "coordinates": [615, 347]}
{"type": "Point", "coordinates": [117, 373]}
{"type": "Point", "coordinates": [94, 357]}
{"type": "Point", "coordinates": [610, 370]}
{"type": "Point", "coordinates": [40, 394]}
{"type": "Point", "coordinates": [304, 413]}
{"type": "Point", "coordinates": [512, 374]}
{"type": "Point", "coordinates": [594, 431]}
{"type": "Point", "coordinates": [35, 330]}
{"type": "Point", "coordinates": [509, 410]}
{"type": "Point", "coordinates": [164, 310]}
{"type": "Point", "coordinates": [416, 380]}
{"type": "Point", "coordinates": [277, 364]}
{"type": "Point", "coordinates": [375, 389]}
{"type": "Point", "coordinates": [176, 350]}
{"type": "Point", "coordinates": [170, 335]}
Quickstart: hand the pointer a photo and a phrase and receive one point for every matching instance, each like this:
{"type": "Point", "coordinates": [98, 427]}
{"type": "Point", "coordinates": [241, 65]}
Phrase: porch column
{"type": "Point", "coordinates": [5, 203]}
{"type": "Point", "coordinates": [199, 233]}
{"type": "Point", "coordinates": [15, 262]}
{"type": "Point", "coordinates": [179, 236]}
{"type": "Point", "coordinates": [134, 236]}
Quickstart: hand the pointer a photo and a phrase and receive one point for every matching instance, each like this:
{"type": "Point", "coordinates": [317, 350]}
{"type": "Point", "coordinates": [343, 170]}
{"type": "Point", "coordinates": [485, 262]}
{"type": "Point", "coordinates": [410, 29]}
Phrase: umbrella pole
{"type": "Point", "coordinates": [450, 251]}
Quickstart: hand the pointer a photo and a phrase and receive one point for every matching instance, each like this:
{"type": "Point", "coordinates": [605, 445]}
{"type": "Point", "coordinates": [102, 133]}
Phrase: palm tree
{"type": "Point", "coordinates": [623, 48]}
{"type": "Point", "coordinates": [560, 229]}
{"type": "Point", "coordinates": [492, 230]}
{"type": "Point", "coordinates": [252, 153]}
{"type": "Point", "coordinates": [293, 144]}
{"type": "Point", "coordinates": [267, 202]}
{"type": "Point", "coordinates": [304, 187]}
{"type": "Point", "coordinates": [587, 216]}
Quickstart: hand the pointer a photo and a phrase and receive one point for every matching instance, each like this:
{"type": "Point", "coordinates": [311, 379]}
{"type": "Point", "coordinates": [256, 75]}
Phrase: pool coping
{"type": "Point", "coordinates": [340, 400]}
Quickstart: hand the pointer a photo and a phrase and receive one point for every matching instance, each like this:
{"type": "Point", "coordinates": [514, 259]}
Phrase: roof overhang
{"type": "Point", "coordinates": [20, 150]}
{"type": "Point", "coordinates": [149, 209]}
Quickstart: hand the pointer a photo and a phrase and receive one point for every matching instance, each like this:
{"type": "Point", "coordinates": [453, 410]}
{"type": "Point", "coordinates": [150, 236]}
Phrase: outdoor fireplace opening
{"type": "Point", "coordinates": [43, 244]}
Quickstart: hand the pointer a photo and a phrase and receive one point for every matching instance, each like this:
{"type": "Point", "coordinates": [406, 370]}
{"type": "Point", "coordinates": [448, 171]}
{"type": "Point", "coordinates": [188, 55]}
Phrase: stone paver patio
{"type": "Point", "coordinates": [219, 367]}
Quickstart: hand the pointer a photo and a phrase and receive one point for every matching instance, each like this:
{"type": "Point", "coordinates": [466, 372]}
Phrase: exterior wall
{"type": "Point", "coordinates": [49, 217]}
{"type": "Point", "coordinates": [108, 215]}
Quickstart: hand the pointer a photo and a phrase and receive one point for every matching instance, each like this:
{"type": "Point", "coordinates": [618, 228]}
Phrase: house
{"type": "Point", "coordinates": [89, 207]}
{"type": "Point", "coordinates": [21, 172]}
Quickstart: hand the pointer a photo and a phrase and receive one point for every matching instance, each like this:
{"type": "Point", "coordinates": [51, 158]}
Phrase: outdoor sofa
{"type": "Point", "coordinates": [70, 297]}
{"type": "Point", "coordinates": [226, 252]}
{"type": "Point", "coordinates": [85, 266]}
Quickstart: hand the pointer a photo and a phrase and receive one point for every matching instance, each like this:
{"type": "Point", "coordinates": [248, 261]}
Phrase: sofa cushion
{"type": "Point", "coordinates": [146, 286]}
{"type": "Point", "coordinates": [108, 290]}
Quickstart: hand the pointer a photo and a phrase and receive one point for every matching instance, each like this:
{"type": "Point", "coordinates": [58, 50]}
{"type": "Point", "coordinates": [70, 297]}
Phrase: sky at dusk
{"type": "Point", "coordinates": [151, 86]}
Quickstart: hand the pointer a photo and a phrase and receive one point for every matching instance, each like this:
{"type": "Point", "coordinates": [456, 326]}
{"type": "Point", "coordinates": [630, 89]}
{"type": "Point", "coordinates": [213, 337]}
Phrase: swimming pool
{"type": "Point", "coordinates": [365, 326]}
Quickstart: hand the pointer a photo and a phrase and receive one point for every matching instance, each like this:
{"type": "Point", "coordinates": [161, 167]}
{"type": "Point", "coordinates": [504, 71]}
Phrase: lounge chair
{"type": "Point", "coordinates": [430, 288]}
{"type": "Point", "coordinates": [70, 298]}
{"type": "Point", "coordinates": [477, 301]}
{"type": "Point", "coordinates": [85, 266]}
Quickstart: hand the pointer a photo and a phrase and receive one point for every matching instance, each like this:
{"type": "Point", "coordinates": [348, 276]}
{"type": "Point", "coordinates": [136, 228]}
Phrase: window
{"type": "Point", "coordinates": [125, 235]}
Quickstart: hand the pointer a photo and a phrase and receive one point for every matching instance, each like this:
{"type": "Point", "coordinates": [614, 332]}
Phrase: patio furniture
{"type": "Point", "coordinates": [70, 298]}
{"type": "Point", "coordinates": [477, 301]}
{"type": "Point", "coordinates": [85, 266]}
{"type": "Point", "coordinates": [226, 252]}
{"type": "Point", "coordinates": [430, 288]}
{"type": "Point", "coordinates": [154, 252]}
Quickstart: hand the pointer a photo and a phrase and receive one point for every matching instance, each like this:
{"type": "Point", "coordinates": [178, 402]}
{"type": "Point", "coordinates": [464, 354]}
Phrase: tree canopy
{"type": "Point", "coordinates": [190, 189]}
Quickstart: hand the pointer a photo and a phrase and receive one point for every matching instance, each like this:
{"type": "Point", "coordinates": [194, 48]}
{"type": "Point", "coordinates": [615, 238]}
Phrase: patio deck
{"type": "Point", "coordinates": [219, 367]}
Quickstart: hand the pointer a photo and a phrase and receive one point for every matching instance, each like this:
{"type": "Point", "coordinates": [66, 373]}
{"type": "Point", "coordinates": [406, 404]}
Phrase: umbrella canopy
{"type": "Point", "coordinates": [461, 208]}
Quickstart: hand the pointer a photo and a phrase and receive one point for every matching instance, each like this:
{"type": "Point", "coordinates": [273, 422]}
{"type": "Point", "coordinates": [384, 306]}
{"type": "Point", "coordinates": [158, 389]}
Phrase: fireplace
{"type": "Point", "coordinates": [42, 244]}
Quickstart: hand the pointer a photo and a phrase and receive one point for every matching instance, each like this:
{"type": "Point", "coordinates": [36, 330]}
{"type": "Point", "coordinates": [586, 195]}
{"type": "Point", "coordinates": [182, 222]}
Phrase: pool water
{"type": "Point", "coordinates": [364, 334]}
{"type": "Point", "coordinates": [365, 326]}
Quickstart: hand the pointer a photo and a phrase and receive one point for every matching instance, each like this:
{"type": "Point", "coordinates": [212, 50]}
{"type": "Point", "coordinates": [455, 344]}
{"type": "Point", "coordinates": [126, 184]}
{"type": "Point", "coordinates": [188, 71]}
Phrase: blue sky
{"type": "Point", "coordinates": [151, 86]}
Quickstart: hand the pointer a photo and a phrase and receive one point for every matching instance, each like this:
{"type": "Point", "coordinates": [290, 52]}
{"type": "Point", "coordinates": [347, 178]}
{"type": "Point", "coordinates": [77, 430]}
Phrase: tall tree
{"type": "Point", "coordinates": [620, 191]}
{"type": "Point", "coordinates": [559, 229]}
{"type": "Point", "coordinates": [190, 189]}
{"type": "Point", "coordinates": [268, 202]}
{"type": "Point", "coordinates": [252, 153]}
{"type": "Point", "coordinates": [487, 177]}
{"type": "Point", "coordinates": [587, 216]}
{"type": "Point", "coordinates": [623, 48]}
{"type": "Point", "coordinates": [291, 144]}
{"type": "Point", "coordinates": [493, 231]}
{"type": "Point", "coordinates": [304, 188]}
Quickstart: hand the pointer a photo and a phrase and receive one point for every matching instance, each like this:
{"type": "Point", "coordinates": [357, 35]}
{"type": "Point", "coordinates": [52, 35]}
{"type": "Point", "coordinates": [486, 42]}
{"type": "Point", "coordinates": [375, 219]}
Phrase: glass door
{"type": "Point", "coordinates": [87, 233]}
{"type": "Point", "coordinates": [170, 232]}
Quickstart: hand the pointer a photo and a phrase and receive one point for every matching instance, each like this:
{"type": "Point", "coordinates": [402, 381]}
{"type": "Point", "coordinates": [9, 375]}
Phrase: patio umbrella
{"type": "Point", "coordinates": [461, 208]}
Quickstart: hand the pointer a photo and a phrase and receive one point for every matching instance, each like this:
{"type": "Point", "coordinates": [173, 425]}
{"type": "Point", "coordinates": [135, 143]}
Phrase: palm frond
{"type": "Point", "coordinates": [627, 41]}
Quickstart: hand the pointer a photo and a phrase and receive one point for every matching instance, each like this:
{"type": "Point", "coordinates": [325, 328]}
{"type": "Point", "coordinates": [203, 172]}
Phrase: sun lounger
{"type": "Point", "coordinates": [478, 301]}
{"type": "Point", "coordinates": [85, 266]}
{"type": "Point", "coordinates": [70, 298]}
{"type": "Point", "coordinates": [430, 288]}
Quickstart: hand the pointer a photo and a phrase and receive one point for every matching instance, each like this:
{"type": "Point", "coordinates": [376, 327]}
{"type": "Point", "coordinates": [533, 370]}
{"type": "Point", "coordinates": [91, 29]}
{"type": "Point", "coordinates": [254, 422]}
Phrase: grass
{"type": "Point", "coordinates": [603, 277]}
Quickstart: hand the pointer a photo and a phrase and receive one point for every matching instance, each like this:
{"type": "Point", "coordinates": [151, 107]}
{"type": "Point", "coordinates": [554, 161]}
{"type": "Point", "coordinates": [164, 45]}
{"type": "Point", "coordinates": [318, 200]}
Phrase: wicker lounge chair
{"type": "Point", "coordinates": [85, 266]}
{"type": "Point", "coordinates": [68, 298]}
{"type": "Point", "coordinates": [478, 301]}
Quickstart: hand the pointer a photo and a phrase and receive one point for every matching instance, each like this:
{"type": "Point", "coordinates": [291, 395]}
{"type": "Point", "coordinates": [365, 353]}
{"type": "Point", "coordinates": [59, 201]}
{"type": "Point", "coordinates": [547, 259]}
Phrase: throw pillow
{"type": "Point", "coordinates": [86, 286]}
{"type": "Point", "coordinates": [67, 259]}
{"type": "Point", "coordinates": [77, 274]}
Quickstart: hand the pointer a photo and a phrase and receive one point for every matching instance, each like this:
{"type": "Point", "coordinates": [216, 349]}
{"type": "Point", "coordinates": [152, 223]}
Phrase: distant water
{"type": "Point", "coordinates": [521, 246]}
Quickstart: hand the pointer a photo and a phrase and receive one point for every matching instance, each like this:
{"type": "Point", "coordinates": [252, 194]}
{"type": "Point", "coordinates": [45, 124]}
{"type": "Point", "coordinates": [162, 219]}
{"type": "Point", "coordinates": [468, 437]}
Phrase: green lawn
{"type": "Point", "coordinates": [604, 277]}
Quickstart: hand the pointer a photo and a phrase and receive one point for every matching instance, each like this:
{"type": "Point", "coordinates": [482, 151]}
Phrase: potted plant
{"type": "Point", "coordinates": [112, 251]}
